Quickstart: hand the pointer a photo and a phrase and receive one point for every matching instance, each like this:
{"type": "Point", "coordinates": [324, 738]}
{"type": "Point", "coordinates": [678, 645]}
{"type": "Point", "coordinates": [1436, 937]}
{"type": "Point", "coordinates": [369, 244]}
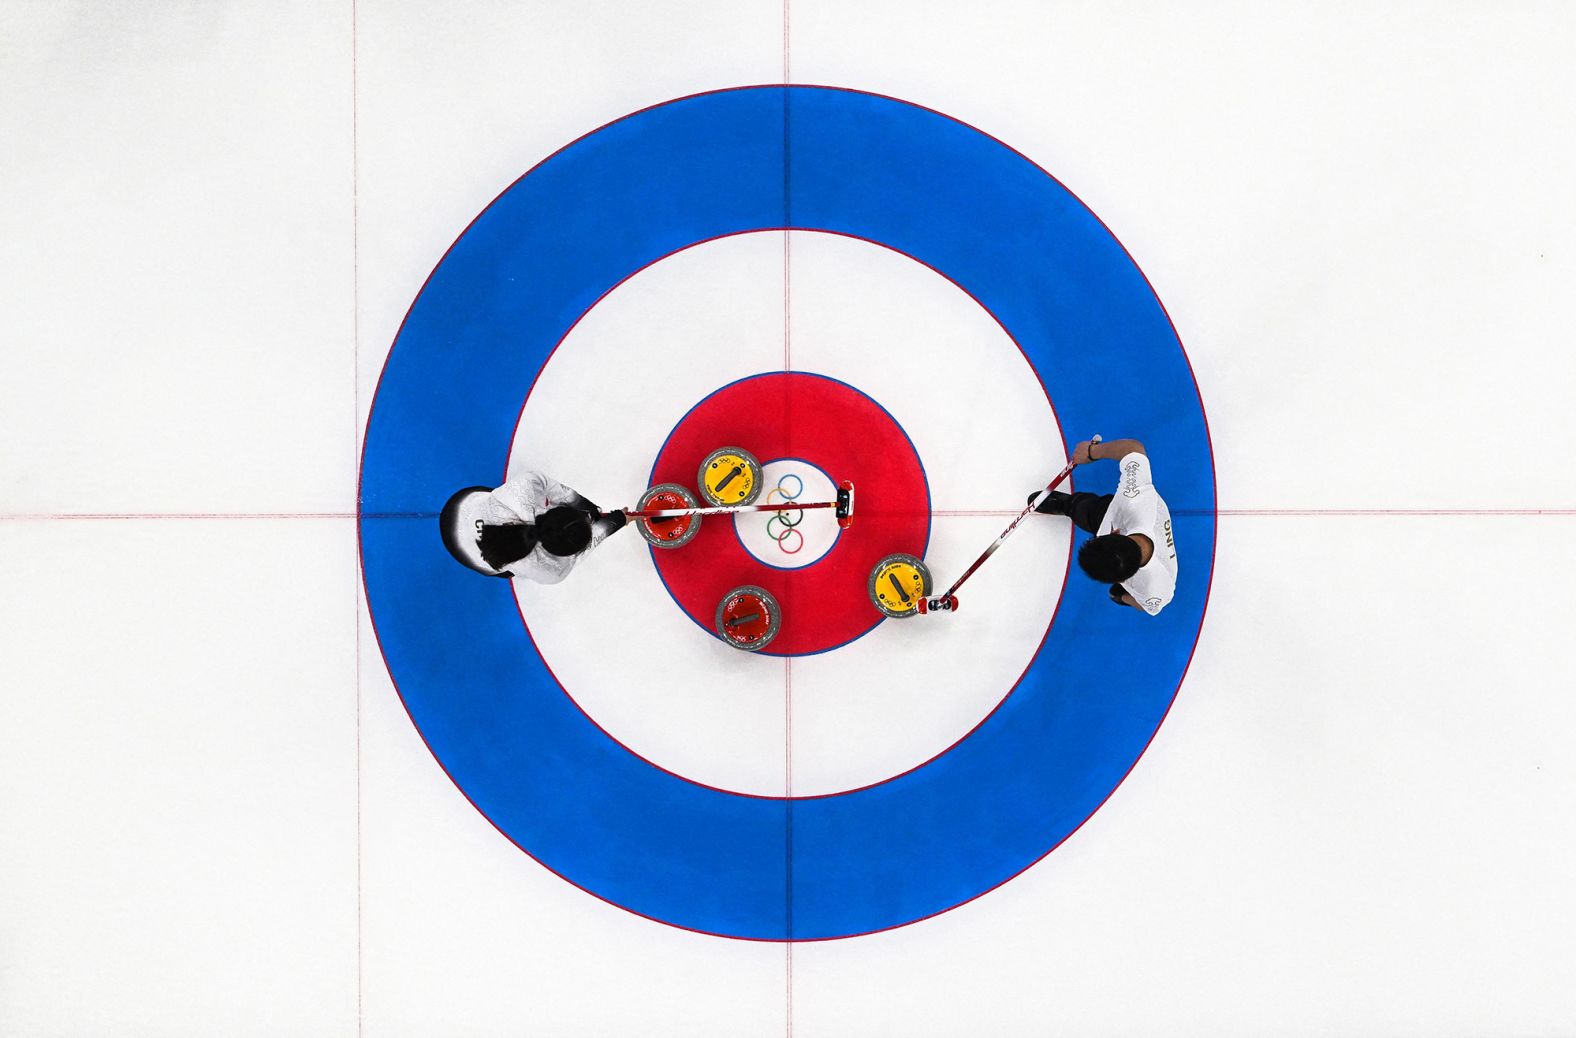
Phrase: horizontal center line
{"type": "Point", "coordinates": [939, 512]}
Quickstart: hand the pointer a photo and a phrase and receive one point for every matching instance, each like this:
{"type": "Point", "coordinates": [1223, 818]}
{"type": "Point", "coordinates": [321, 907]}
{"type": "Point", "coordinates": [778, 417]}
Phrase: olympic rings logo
{"type": "Point", "coordinates": [781, 537]}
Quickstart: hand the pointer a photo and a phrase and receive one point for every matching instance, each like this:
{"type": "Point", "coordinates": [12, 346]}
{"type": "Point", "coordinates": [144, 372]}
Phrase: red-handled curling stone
{"type": "Point", "coordinates": [667, 531]}
{"type": "Point", "coordinates": [748, 618]}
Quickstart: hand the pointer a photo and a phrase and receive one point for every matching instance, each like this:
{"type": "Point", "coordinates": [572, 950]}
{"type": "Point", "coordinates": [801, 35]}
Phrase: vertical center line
{"type": "Point", "coordinates": [788, 445]}
{"type": "Point", "coordinates": [355, 437]}
{"type": "Point", "coordinates": [785, 42]}
{"type": "Point", "coordinates": [787, 201]}
{"type": "Point", "coordinates": [788, 833]}
{"type": "Point", "coordinates": [787, 285]}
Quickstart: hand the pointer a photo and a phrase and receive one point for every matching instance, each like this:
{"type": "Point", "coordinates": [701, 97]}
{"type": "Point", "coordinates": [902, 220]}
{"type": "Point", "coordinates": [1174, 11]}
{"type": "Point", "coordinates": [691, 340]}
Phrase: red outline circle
{"type": "Point", "coordinates": [1209, 584]}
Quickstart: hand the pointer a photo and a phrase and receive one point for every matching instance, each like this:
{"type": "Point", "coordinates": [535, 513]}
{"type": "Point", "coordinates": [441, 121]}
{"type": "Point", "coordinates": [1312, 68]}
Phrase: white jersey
{"type": "Point", "coordinates": [521, 500]}
{"type": "Point", "coordinates": [1136, 507]}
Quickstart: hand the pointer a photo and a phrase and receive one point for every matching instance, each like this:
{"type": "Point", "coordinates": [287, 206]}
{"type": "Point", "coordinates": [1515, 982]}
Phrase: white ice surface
{"type": "Point", "coordinates": [178, 781]}
{"type": "Point", "coordinates": [1356, 820]}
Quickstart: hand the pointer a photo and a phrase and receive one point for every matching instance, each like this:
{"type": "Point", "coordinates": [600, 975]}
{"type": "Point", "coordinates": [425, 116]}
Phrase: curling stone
{"type": "Point", "coordinates": [748, 618]}
{"type": "Point", "coordinates": [898, 584]}
{"type": "Point", "coordinates": [668, 531]}
{"type": "Point", "coordinates": [729, 476]}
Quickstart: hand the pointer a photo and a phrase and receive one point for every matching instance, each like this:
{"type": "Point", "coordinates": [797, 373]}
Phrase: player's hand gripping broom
{"type": "Point", "coordinates": [948, 602]}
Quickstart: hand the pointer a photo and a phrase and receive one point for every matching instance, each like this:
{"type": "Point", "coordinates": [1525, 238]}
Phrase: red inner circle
{"type": "Point", "coordinates": [845, 434]}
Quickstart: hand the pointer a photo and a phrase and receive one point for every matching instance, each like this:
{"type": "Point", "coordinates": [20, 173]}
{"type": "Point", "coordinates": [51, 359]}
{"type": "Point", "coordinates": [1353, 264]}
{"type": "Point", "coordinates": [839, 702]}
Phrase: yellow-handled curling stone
{"type": "Point", "coordinates": [898, 584]}
{"type": "Point", "coordinates": [729, 476]}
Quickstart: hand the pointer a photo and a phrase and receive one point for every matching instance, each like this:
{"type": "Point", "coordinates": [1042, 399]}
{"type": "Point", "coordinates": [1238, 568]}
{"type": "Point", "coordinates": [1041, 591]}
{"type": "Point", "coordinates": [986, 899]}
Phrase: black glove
{"type": "Point", "coordinates": [1116, 593]}
{"type": "Point", "coordinates": [617, 518]}
{"type": "Point", "coordinates": [1055, 503]}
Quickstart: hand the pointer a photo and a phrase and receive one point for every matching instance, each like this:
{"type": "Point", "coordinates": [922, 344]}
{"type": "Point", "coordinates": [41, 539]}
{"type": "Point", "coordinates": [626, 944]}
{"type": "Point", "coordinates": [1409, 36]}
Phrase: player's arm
{"type": "Point", "coordinates": [512, 502]}
{"type": "Point", "coordinates": [1109, 450]}
{"type": "Point", "coordinates": [604, 524]}
{"type": "Point", "coordinates": [555, 493]}
{"type": "Point", "coordinates": [559, 494]}
{"type": "Point", "coordinates": [1120, 596]}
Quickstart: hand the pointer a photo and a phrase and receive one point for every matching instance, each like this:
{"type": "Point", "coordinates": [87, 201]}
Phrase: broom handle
{"type": "Point", "coordinates": [1014, 524]}
{"type": "Point", "coordinates": [664, 513]}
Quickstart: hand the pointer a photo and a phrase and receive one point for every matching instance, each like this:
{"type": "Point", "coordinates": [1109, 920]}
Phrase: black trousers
{"type": "Point", "coordinates": [1087, 510]}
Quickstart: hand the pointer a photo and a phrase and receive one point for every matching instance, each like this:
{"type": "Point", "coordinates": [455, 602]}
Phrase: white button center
{"type": "Point", "coordinates": [795, 538]}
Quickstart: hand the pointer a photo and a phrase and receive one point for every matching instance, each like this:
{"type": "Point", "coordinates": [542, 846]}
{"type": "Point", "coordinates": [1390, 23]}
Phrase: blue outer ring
{"type": "Point", "coordinates": [444, 414]}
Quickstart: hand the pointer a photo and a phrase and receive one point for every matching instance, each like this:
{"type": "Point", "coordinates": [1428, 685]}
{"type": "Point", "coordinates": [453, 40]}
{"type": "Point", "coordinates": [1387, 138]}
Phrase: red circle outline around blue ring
{"type": "Point", "coordinates": [483, 699]}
